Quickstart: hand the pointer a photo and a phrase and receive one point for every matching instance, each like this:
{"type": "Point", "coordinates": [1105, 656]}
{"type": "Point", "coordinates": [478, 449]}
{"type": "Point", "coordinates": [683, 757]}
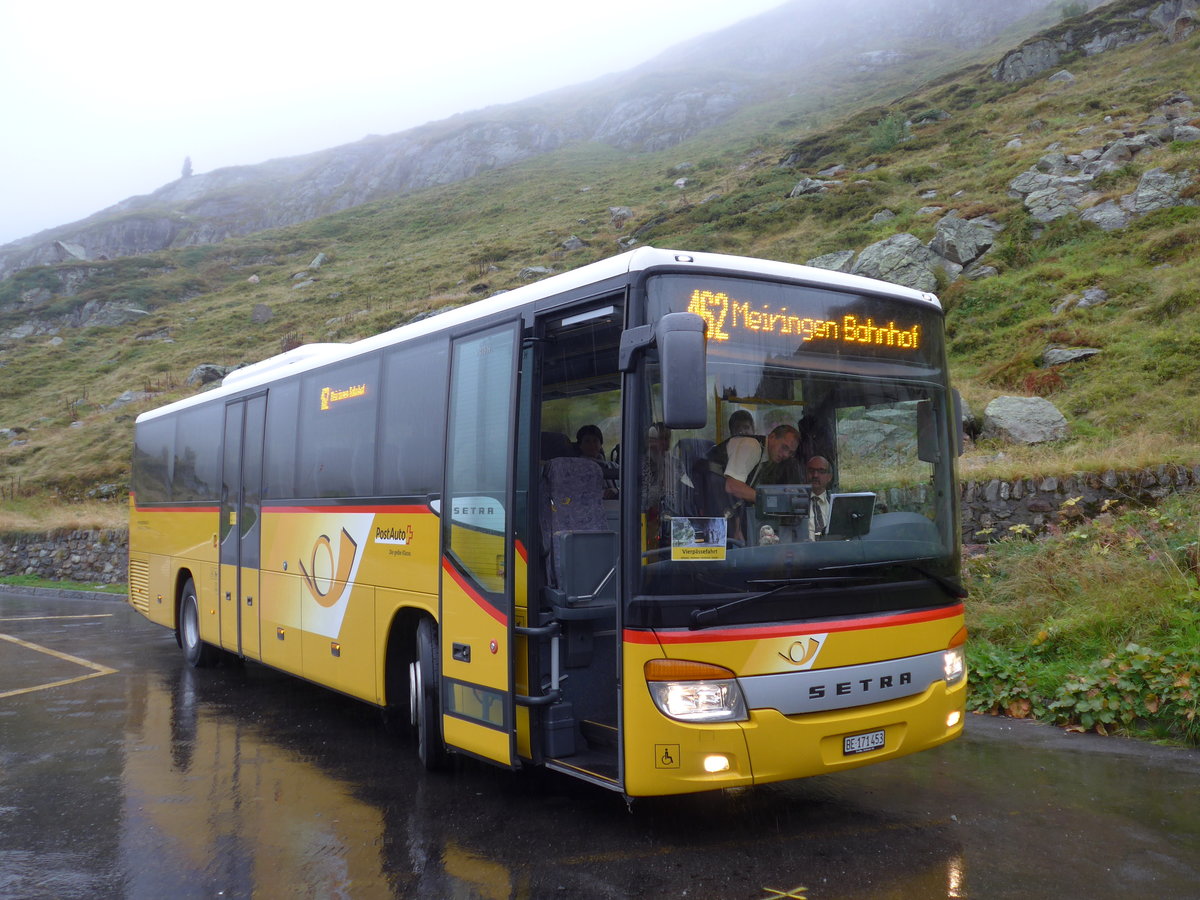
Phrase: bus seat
{"type": "Point", "coordinates": [572, 500]}
{"type": "Point", "coordinates": [555, 444]}
{"type": "Point", "coordinates": [700, 490]}
{"type": "Point", "coordinates": [588, 562]}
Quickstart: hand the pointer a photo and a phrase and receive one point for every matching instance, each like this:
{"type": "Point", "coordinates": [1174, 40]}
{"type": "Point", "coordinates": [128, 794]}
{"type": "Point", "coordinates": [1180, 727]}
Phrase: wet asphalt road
{"type": "Point", "coordinates": [125, 774]}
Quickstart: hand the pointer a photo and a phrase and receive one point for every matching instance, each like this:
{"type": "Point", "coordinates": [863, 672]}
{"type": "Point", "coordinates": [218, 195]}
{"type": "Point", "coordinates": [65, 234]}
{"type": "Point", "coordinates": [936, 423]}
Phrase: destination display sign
{"type": "Point", "coordinates": [796, 320]}
{"type": "Point", "coordinates": [726, 315]}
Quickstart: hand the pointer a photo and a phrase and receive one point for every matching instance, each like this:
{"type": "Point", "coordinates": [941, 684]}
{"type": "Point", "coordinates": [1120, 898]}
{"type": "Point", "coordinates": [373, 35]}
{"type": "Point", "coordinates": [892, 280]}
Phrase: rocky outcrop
{"type": "Point", "coordinates": [1060, 184]}
{"type": "Point", "coordinates": [956, 248]}
{"type": "Point", "coordinates": [900, 259]}
{"type": "Point", "coordinates": [93, 314]}
{"type": "Point", "coordinates": [1117, 25]}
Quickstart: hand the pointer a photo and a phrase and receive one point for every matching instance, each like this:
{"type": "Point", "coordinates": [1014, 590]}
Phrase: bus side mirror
{"type": "Point", "coordinates": [681, 354]}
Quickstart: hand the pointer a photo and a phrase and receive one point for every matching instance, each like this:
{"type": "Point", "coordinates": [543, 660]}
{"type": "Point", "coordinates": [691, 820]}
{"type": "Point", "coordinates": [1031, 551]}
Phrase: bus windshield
{"type": "Point", "coordinates": [827, 462]}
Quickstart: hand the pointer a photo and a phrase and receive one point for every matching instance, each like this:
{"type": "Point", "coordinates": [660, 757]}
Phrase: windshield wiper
{"type": "Point", "coordinates": [953, 588]}
{"type": "Point", "coordinates": [702, 618]}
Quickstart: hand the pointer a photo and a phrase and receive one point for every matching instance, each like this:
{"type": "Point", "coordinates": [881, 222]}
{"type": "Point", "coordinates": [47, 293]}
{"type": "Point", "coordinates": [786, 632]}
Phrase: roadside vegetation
{"type": "Point", "coordinates": [1093, 625]}
{"type": "Point", "coordinates": [40, 512]}
{"type": "Point", "coordinates": [29, 581]}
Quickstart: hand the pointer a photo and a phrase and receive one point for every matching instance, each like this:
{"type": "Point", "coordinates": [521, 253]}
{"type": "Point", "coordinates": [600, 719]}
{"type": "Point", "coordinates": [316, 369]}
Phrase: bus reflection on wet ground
{"type": "Point", "coordinates": [125, 773]}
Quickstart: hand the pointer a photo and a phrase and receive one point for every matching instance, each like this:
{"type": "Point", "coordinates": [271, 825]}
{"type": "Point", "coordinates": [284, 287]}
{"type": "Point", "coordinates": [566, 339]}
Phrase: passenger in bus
{"type": "Point", "coordinates": [589, 443]}
{"type": "Point", "coordinates": [655, 469]}
{"type": "Point", "coordinates": [741, 424]}
{"type": "Point", "coordinates": [752, 463]}
{"type": "Point", "coordinates": [655, 481]}
{"type": "Point", "coordinates": [820, 475]}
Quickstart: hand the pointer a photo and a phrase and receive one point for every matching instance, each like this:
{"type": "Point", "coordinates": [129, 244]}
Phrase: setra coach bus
{"type": "Point", "coordinates": [428, 520]}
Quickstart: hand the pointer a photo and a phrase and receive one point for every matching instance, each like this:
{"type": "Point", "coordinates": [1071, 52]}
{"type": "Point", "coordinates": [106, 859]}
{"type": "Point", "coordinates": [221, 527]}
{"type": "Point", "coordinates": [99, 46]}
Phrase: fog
{"type": "Point", "coordinates": [104, 101]}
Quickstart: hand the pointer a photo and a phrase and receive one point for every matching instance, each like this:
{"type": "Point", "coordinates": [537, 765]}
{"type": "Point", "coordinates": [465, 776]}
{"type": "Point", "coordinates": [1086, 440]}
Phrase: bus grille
{"type": "Point", "coordinates": [139, 586]}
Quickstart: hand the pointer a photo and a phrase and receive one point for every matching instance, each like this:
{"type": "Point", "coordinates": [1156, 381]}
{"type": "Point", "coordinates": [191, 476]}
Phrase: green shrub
{"type": "Point", "coordinates": [1134, 687]}
{"type": "Point", "coordinates": [885, 134]}
{"type": "Point", "coordinates": [1047, 611]}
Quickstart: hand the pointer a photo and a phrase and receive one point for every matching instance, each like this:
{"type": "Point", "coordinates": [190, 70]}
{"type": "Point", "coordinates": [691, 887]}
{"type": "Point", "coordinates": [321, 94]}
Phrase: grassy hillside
{"type": "Point", "coordinates": [387, 262]}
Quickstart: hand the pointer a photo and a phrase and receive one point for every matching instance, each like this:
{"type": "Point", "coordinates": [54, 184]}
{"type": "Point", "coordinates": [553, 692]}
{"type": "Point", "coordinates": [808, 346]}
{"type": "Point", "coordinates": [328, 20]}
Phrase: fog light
{"type": "Point", "coordinates": [953, 719]}
{"type": "Point", "coordinates": [716, 763]}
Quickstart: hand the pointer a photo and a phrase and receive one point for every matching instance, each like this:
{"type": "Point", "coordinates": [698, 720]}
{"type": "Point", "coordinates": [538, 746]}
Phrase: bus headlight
{"type": "Point", "coordinates": [695, 692]}
{"type": "Point", "coordinates": [954, 662]}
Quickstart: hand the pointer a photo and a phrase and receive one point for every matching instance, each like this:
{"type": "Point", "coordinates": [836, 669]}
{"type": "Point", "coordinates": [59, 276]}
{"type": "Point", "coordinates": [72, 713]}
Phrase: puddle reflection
{"type": "Point", "coordinates": [242, 782]}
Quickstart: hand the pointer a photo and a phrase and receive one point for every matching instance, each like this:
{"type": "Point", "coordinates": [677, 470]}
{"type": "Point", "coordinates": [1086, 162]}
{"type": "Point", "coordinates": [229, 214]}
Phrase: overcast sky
{"type": "Point", "coordinates": [102, 101]}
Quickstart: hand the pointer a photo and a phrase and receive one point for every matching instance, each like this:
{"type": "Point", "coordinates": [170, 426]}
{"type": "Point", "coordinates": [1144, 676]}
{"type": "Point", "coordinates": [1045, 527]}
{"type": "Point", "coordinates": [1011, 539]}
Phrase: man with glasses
{"type": "Point", "coordinates": [820, 475]}
{"type": "Point", "coordinates": [748, 459]}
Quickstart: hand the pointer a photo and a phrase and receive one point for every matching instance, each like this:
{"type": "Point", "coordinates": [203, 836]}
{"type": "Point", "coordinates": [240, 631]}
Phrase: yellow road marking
{"type": "Point", "coordinates": [796, 893]}
{"type": "Point", "coordinates": [97, 669]}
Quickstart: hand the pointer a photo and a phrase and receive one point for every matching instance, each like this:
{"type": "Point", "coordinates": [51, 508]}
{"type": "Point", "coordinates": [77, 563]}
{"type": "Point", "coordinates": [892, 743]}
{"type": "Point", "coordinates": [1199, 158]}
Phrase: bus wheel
{"type": "Point", "coordinates": [198, 654]}
{"type": "Point", "coordinates": [423, 706]}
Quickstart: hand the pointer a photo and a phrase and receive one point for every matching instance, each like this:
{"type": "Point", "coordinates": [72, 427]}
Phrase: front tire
{"type": "Point", "coordinates": [423, 699]}
{"type": "Point", "coordinates": [198, 654]}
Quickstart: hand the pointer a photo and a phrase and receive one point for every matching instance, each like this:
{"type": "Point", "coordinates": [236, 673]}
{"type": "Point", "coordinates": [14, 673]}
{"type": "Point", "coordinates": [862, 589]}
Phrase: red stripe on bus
{"type": "Point", "coordinates": [473, 594]}
{"type": "Point", "coordinates": [178, 509]}
{"type": "Point", "coordinates": [759, 632]}
{"type": "Point", "coordinates": [394, 510]}
{"type": "Point", "coordinates": [522, 552]}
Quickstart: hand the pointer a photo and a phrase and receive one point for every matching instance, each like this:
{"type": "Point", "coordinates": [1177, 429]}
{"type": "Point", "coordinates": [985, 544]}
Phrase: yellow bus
{"type": "Point", "coordinates": [516, 527]}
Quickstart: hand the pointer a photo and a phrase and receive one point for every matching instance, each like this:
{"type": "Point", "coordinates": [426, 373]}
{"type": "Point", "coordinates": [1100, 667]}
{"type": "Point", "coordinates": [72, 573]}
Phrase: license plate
{"type": "Point", "coordinates": [862, 743]}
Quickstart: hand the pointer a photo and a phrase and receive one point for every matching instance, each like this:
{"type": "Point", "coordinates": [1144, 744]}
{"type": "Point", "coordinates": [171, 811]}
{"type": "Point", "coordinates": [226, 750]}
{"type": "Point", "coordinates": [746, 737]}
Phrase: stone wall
{"type": "Point", "coordinates": [97, 557]}
{"type": "Point", "coordinates": [991, 508]}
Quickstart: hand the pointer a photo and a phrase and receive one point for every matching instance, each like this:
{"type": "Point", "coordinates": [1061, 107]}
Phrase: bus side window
{"type": "Point", "coordinates": [414, 398]}
{"type": "Point", "coordinates": [279, 467]}
{"type": "Point", "coordinates": [154, 460]}
{"type": "Point", "coordinates": [336, 430]}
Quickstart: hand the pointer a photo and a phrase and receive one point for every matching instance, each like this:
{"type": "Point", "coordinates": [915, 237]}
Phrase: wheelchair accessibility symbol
{"type": "Point", "coordinates": [666, 756]}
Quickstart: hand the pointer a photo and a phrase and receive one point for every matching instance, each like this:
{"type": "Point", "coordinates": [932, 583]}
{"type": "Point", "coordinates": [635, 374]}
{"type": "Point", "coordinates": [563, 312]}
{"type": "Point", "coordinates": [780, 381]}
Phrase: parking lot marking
{"type": "Point", "coordinates": [97, 669]}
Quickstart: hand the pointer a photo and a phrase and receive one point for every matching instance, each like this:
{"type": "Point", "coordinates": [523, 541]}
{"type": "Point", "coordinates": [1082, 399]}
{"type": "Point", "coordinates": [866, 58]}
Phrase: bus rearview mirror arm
{"type": "Point", "coordinates": [680, 338]}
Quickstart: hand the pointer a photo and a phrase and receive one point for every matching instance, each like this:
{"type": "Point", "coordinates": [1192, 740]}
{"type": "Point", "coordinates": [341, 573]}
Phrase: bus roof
{"type": "Point", "coordinates": [311, 356]}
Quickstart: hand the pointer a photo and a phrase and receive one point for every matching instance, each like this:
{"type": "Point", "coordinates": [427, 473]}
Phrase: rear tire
{"type": "Point", "coordinates": [423, 699]}
{"type": "Point", "coordinates": [198, 654]}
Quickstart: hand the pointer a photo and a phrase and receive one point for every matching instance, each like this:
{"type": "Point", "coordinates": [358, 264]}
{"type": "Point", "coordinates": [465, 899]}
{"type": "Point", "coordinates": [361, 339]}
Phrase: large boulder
{"type": "Point", "coordinates": [1023, 420]}
{"type": "Point", "coordinates": [882, 435]}
{"type": "Point", "coordinates": [1158, 189]}
{"type": "Point", "coordinates": [837, 261]}
{"type": "Point", "coordinates": [1059, 198]}
{"type": "Point", "coordinates": [1025, 62]}
{"type": "Point", "coordinates": [812, 186]}
{"type": "Point", "coordinates": [902, 259]}
{"type": "Point", "coordinates": [1059, 356]}
{"type": "Point", "coordinates": [1109, 216]}
{"type": "Point", "coordinates": [960, 240]}
{"type": "Point", "coordinates": [207, 373]}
